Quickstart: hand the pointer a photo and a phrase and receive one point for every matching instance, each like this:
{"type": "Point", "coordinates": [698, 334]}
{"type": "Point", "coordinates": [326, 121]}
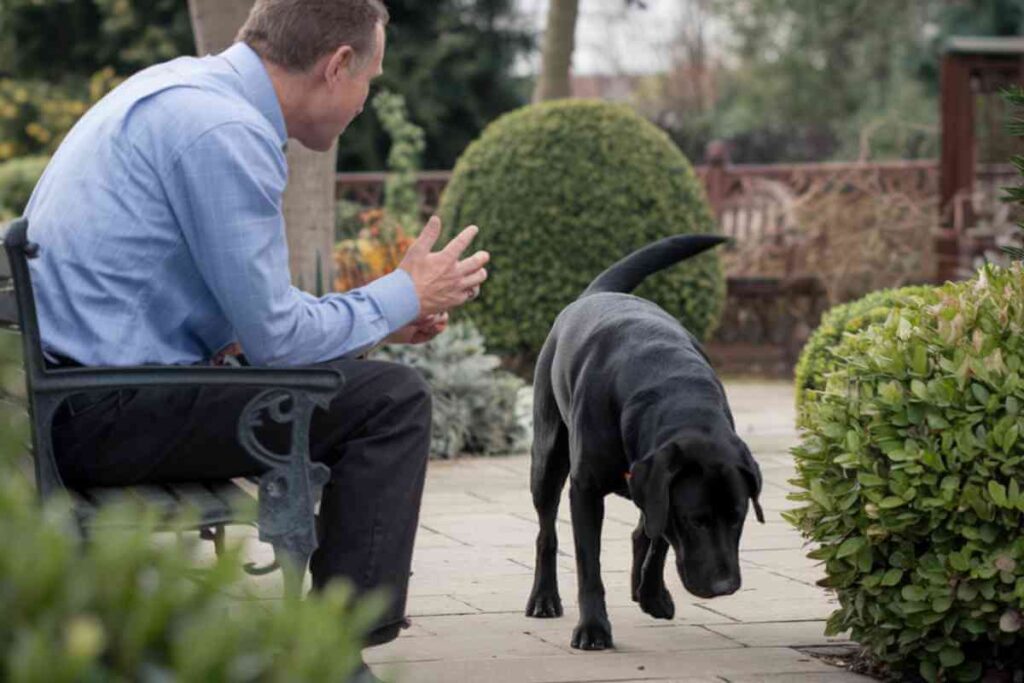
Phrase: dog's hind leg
{"type": "Point", "coordinates": [648, 576]}
{"type": "Point", "coordinates": [594, 631]}
{"type": "Point", "coordinates": [549, 470]}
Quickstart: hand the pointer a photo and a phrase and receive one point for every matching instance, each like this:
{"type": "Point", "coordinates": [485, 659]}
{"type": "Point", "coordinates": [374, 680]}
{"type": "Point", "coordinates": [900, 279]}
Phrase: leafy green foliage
{"type": "Point", "coordinates": [475, 403]}
{"type": "Point", "coordinates": [401, 201]}
{"type": "Point", "coordinates": [911, 478]}
{"type": "Point", "coordinates": [127, 35]}
{"type": "Point", "coordinates": [36, 115]}
{"type": "Point", "coordinates": [452, 61]}
{"type": "Point", "coordinates": [18, 177]}
{"type": "Point", "coordinates": [816, 80]}
{"type": "Point", "coordinates": [1015, 97]}
{"type": "Point", "coordinates": [817, 358]}
{"type": "Point", "coordinates": [132, 606]}
{"type": "Point", "coordinates": [562, 190]}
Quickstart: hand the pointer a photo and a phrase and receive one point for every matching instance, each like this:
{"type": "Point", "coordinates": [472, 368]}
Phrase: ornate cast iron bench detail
{"type": "Point", "coordinates": [288, 491]}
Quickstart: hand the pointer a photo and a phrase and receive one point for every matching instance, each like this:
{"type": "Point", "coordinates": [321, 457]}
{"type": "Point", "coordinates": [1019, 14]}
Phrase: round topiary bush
{"type": "Point", "coordinates": [912, 470]}
{"type": "Point", "coordinates": [817, 358]}
{"type": "Point", "coordinates": [561, 191]}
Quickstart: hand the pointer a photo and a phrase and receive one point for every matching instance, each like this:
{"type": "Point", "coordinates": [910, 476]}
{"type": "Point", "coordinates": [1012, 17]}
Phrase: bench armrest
{"type": "Point", "coordinates": [322, 383]}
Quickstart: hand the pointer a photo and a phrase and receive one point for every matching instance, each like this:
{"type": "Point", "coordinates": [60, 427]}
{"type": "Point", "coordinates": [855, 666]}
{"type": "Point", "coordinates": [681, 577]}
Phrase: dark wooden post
{"type": "Point", "coordinates": [958, 162]}
{"type": "Point", "coordinates": [716, 182]}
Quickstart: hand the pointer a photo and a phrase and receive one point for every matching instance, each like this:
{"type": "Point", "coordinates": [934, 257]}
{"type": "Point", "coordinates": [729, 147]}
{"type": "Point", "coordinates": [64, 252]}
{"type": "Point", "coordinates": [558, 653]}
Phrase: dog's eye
{"type": "Point", "coordinates": [700, 523]}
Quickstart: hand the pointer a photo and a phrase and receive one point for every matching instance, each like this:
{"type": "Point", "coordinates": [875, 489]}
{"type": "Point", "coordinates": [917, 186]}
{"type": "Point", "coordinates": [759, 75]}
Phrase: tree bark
{"type": "Point", "coordinates": [309, 197]}
{"type": "Point", "coordinates": [553, 83]}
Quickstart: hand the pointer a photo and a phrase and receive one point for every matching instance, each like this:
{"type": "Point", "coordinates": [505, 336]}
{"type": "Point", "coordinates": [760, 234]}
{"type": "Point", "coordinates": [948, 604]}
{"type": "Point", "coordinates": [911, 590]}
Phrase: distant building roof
{"type": "Point", "coordinates": [616, 88]}
{"type": "Point", "coordinates": [1009, 45]}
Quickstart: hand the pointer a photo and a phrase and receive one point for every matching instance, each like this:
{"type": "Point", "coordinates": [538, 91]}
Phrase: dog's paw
{"type": "Point", "coordinates": [658, 603]}
{"type": "Point", "coordinates": [544, 605]}
{"type": "Point", "coordinates": [593, 634]}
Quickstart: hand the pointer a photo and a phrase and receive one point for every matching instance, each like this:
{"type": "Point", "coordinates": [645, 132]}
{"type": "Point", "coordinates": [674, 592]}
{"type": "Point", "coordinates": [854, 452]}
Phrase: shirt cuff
{"type": "Point", "coordinates": [395, 296]}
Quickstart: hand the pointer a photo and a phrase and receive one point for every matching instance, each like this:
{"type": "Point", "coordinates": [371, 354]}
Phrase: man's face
{"type": "Point", "coordinates": [341, 93]}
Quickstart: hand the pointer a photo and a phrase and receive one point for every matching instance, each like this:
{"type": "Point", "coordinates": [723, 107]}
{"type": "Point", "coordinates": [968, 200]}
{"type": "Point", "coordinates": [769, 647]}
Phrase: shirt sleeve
{"type": "Point", "coordinates": [226, 191]}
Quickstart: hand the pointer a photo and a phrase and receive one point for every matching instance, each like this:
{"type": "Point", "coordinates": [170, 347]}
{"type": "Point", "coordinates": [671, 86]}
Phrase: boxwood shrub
{"type": "Point", "coordinates": [911, 477]}
{"type": "Point", "coordinates": [817, 358]}
{"type": "Point", "coordinates": [562, 190]}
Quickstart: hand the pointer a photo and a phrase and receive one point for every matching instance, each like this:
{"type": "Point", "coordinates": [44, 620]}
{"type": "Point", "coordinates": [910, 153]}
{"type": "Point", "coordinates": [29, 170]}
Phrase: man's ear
{"type": "Point", "coordinates": [650, 483]}
{"type": "Point", "coordinates": [752, 474]}
{"type": "Point", "coordinates": [339, 63]}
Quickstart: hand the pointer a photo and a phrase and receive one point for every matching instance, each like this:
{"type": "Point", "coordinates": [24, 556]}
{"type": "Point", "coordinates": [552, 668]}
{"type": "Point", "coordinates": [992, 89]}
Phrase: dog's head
{"type": "Point", "coordinates": [696, 492]}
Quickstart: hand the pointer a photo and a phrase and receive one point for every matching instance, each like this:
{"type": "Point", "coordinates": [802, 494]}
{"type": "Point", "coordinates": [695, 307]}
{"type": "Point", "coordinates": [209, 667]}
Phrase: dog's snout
{"type": "Point", "coordinates": [724, 586]}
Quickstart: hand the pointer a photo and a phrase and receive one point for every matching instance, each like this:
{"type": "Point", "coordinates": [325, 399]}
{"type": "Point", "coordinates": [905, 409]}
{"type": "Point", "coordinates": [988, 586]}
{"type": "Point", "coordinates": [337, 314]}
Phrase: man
{"type": "Point", "coordinates": [162, 242]}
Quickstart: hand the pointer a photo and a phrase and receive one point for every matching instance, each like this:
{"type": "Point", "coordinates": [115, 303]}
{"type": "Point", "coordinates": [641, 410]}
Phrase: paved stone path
{"type": "Point", "coordinates": [473, 570]}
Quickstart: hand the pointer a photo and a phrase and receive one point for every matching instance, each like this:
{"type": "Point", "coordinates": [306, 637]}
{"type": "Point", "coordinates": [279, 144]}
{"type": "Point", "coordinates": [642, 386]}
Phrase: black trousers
{"type": "Point", "coordinates": [375, 438]}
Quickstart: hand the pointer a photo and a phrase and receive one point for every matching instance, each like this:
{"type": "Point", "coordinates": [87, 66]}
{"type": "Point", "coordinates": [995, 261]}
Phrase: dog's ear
{"type": "Point", "coordinates": [650, 483]}
{"type": "Point", "coordinates": [752, 474]}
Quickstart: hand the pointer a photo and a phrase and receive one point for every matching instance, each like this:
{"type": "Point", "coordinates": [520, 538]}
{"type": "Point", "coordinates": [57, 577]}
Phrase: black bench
{"type": "Point", "coordinates": [287, 492]}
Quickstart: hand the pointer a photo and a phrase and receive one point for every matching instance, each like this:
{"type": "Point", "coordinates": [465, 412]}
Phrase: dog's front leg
{"type": "Point", "coordinates": [652, 594]}
{"type": "Point", "coordinates": [641, 544]}
{"type": "Point", "coordinates": [593, 632]}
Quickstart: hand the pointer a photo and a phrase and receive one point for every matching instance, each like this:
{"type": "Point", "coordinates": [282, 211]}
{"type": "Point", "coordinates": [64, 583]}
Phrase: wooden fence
{"type": "Point", "coordinates": [775, 298]}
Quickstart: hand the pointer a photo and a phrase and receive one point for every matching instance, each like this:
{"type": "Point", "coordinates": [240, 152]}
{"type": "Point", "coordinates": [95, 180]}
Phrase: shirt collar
{"type": "Point", "coordinates": [257, 84]}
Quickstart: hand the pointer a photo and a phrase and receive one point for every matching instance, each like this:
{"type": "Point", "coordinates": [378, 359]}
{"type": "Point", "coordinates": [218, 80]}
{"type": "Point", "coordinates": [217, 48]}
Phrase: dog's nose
{"type": "Point", "coordinates": [725, 586]}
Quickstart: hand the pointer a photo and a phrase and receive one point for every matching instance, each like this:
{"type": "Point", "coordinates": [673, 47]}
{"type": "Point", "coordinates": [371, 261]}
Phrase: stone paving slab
{"type": "Point", "coordinates": [610, 665]}
{"type": "Point", "coordinates": [473, 569]}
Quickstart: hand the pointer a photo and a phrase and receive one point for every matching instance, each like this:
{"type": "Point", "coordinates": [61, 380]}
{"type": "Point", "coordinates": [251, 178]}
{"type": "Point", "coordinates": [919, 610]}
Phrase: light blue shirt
{"type": "Point", "coordinates": [161, 234]}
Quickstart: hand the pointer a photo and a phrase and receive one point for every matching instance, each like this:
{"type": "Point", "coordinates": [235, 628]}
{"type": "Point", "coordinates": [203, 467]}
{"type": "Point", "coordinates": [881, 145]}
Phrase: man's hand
{"type": "Point", "coordinates": [442, 280]}
{"type": "Point", "coordinates": [419, 331]}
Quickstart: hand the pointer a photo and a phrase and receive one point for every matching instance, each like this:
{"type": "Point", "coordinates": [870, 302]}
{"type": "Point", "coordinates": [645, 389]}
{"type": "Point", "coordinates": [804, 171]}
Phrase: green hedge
{"type": "Point", "coordinates": [817, 359]}
{"type": "Point", "coordinates": [561, 191]}
{"type": "Point", "coordinates": [18, 177]}
{"type": "Point", "coordinates": [911, 470]}
{"type": "Point", "coordinates": [130, 606]}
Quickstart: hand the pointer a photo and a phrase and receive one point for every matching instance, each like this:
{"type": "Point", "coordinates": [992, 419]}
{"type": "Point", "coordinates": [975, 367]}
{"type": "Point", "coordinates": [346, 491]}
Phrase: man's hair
{"type": "Point", "coordinates": [294, 34]}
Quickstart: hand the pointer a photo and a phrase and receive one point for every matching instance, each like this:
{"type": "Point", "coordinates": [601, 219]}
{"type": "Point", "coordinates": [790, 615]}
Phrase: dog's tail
{"type": "Point", "coordinates": [627, 274]}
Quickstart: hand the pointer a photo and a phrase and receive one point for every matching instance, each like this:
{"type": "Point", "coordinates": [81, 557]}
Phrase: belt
{"type": "Point", "coordinates": [77, 404]}
{"type": "Point", "coordinates": [60, 361]}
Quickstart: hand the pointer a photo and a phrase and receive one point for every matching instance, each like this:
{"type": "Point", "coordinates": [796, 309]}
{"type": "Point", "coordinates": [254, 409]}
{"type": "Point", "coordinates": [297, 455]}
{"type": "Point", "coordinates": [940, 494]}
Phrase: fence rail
{"type": "Point", "coordinates": [768, 315]}
{"type": "Point", "coordinates": [721, 179]}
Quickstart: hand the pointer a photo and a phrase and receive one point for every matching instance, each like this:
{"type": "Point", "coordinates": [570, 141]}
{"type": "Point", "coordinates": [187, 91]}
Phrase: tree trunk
{"type": "Point", "coordinates": [309, 198]}
{"type": "Point", "coordinates": [559, 42]}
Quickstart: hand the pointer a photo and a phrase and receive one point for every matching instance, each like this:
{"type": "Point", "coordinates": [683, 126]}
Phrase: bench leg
{"type": "Point", "coordinates": [293, 565]}
{"type": "Point", "coordinates": [214, 533]}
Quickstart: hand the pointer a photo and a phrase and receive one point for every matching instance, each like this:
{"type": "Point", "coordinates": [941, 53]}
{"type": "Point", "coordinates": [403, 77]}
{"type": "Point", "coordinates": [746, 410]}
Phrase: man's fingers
{"type": "Point", "coordinates": [474, 279]}
{"type": "Point", "coordinates": [474, 262]}
{"type": "Point", "coordinates": [461, 241]}
{"type": "Point", "coordinates": [428, 236]}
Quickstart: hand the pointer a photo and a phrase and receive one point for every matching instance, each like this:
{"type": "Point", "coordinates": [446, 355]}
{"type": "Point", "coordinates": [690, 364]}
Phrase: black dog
{"type": "Point", "coordinates": [626, 402]}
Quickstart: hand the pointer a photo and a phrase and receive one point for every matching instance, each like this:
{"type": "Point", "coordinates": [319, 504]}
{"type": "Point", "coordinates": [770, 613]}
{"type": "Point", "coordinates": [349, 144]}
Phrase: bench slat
{"type": "Point", "coordinates": [8, 307]}
{"type": "Point", "coordinates": [211, 508]}
{"type": "Point", "coordinates": [214, 502]}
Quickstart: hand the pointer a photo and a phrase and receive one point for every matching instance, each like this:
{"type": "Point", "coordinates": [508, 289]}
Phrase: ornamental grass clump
{"type": "Point", "coordinates": [477, 405]}
{"type": "Point", "coordinates": [911, 470]}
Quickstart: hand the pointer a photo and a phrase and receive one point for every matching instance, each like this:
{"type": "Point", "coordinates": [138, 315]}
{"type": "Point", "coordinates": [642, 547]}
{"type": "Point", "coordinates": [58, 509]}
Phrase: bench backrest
{"type": "Point", "coordinates": [18, 312]}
